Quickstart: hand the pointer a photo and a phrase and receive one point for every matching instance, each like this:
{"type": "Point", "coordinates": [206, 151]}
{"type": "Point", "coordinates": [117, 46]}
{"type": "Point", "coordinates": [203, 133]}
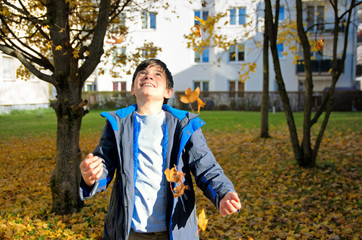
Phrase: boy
{"type": "Point", "coordinates": [138, 143]}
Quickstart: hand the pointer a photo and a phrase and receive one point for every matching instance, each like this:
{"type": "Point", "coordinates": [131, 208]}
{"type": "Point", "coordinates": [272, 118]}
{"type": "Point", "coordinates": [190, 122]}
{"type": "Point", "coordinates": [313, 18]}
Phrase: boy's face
{"type": "Point", "coordinates": [150, 85]}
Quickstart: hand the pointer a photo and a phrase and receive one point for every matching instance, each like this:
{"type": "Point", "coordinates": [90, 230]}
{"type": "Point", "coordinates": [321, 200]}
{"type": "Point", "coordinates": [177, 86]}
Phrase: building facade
{"type": "Point", "coordinates": [220, 69]}
{"type": "Point", "coordinates": [17, 94]}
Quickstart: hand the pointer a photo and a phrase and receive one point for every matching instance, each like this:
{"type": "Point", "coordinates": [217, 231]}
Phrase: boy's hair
{"type": "Point", "coordinates": [156, 62]}
{"type": "Point", "coordinates": [143, 65]}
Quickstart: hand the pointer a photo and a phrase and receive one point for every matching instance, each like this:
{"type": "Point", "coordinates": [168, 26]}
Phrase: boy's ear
{"type": "Point", "coordinates": [168, 93]}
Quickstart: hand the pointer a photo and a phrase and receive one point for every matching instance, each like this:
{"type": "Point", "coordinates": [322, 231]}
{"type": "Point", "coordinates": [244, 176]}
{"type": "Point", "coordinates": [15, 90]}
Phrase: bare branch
{"type": "Point", "coordinates": [11, 52]}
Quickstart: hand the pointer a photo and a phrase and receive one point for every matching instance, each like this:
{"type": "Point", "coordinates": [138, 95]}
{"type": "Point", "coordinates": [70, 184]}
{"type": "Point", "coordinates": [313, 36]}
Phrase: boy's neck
{"type": "Point", "coordinates": [149, 108]}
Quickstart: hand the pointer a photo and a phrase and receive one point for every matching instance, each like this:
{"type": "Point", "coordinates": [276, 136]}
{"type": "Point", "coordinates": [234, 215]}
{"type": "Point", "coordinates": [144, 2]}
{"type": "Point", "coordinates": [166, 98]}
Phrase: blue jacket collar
{"type": "Point", "coordinates": [180, 114]}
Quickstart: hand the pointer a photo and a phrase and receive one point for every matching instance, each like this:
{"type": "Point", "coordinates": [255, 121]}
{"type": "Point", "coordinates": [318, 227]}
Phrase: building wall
{"type": "Point", "coordinates": [20, 94]}
{"type": "Point", "coordinates": [171, 27]}
{"type": "Point", "coordinates": [174, 23]}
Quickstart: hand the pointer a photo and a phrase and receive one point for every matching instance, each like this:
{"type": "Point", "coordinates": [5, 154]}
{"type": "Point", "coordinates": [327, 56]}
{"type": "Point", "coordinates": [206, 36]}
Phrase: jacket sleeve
{"type": "Point", "coordinates": [107, 150]}
{"type": "Point", "coordinates": [209, 175]}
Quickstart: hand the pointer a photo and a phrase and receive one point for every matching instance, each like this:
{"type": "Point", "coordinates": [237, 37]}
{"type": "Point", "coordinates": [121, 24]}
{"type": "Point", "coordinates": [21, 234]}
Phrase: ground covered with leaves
{"type": "Point", "coordinates": [280, 200]}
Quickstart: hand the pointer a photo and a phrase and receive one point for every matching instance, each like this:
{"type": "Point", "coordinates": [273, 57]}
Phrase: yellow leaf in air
{"type": "Point", "coordinates": [172, 175]}
{"type": "Point", "coordinates": [200, 104]}
{"type": "Point", "coordinates": [197, 30]}
{"type": "Point", "coordinates": [202, 221]}
{"type": "Point", "coordinates": [189, 96]}
{"type": "Point", "coordinates": [179, 190]}
{"type": "Point", "coordinates": [203, 22]}
{"type": "Point", "coordinates": [116, 40]}
{"type": "Point", "coordinates": [58, 48]}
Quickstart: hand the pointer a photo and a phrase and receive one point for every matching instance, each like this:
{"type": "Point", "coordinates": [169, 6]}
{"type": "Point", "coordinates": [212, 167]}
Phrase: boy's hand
{"type": "Point", "coordinates": [91, 169]}
{"type": "Point", "coordinates": [229, 204]}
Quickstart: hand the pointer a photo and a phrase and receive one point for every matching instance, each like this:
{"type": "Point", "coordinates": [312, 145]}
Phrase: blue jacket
{"type": "Point", "coordinates": [186, 148]}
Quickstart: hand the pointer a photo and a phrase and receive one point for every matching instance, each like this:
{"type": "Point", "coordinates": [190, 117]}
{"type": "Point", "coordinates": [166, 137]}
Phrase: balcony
{"type": "Point", "coordinates": [320, 67]}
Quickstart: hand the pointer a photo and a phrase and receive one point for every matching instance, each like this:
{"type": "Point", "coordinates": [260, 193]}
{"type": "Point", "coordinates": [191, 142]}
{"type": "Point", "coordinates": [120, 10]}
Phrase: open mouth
{"type": "Point", "coordinates": [147, 85]}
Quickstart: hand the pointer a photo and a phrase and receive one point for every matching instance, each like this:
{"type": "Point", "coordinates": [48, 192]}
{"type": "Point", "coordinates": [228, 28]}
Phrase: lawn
{"type": "Point", "coordinates": [280, 200]}
{"type": "Point", "coordinates": [23, 123]}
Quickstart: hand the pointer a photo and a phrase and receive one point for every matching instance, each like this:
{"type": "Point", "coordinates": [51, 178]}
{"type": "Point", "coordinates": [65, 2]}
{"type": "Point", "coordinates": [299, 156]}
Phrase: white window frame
{"type": "Point", "coordinates": [146, 20]}
{"type": "Point", "coordinates": [8, 73]}
{"type": "Point", "coordinates": [236, 46]}
{"type": "Point", "coordinates": [237, 16]}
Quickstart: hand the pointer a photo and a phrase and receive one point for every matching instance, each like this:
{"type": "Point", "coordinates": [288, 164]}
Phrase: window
{"type": "Point", "coordinates": [8, 68]}
{"type": "Point", "coordinates": [204, 87]}
{"type": "Point", "coordinates": [238, 16]}
{"type": "Point", "coordinates": [310, 16]}
{"type": "Point", "coordinates": [320, 18]}
{"type": "Point", "coordinates": [91, 87]}
{"type": "Point", "coordinates": [281, 13]}
{"type": "Point", "coordinates": [237, 53]}
{"type": "Point", "coordinates": [122, 18]}
{"type": "Point", "coordinates": [119, 86]}
{"type": "Point", "coordinates": [315, 18]}
{"type": "Point", "coordinates": [236, 88]}
{"type": "Point", "coordinates": [118, 55]}
{"type": "Point", "coordinates": [280, 48]}
{"type": "Point", "coordinates": [148, 53]}
{"type": "Point", "coordinates": [148, 20]}
{"type": "Point", "coordinates": [202, 15]}
{"type": "Point", "coordinates": [203, 57]}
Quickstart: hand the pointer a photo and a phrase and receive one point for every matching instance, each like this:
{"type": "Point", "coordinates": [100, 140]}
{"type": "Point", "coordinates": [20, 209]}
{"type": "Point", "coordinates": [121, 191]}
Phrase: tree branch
{"type": "Point", "coordinates": [11, 52]}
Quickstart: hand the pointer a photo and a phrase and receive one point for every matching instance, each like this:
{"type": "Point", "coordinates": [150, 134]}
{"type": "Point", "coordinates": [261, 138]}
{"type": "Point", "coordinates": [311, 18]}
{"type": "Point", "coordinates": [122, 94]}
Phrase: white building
{"type": "Point", "coordinates": [167, 30]}
{"type": "Point", "coordinates": [217, 69]}
{"type": "Point", "coordinates": [17, 94]}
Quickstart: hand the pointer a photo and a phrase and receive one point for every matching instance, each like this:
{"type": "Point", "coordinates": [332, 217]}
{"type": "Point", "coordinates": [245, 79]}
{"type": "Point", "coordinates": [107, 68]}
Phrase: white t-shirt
{"type": "Point", "coordinates": [149, 214]}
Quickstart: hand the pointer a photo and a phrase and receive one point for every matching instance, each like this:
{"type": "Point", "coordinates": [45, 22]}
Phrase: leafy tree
{"type": "Point", "coordinates": [306, 152]}
{"type": "Point", "coordinates": [61, 42]}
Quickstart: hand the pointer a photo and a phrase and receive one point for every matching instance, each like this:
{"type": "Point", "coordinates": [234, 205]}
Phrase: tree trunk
{"type": "Point", "coordinates": [264, 128]}
{"type": "Point", "coordinates": [273, 32]}
{"type": "Point", "coordinates": [65, 179]}
{"type": "Point", "coordinates": [307, 159]}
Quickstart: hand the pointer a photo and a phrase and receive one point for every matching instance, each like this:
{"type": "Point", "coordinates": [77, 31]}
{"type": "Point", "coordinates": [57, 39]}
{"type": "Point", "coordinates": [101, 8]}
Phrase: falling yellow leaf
{"type": "Point", "coordinates": [172, 175]}
{"type": "Point", "coordinates": [196, 29]}
{"type": "Point", "coordinates": [179, 190]}
{"type": "Point", "coordinates": [320, 43]}
{"type": "Point", "coordinates": [58, 48]}
{"type": "Point", "coordinates": [200, 104]}
{"type": "Point", "coordinates": [189, 96]}
{"type": "Point", "coordinates": [203, 22]}
{"type": "Point", "coordinates": [202, 221]}
{"type": "Point", "coordinates": [116, 40]}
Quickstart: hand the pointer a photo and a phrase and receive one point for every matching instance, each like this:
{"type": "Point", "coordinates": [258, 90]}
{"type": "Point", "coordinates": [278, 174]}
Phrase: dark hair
{"type": "Point", "coordinates": [143, 65]}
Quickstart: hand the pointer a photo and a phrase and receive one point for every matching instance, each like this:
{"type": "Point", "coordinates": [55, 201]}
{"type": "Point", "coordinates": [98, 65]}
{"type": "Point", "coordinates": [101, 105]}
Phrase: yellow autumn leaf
{"type": "Point", "coordinates": [190, 96]}
{"type": "Point", "coordinates": [200, 104]}
{"type": "Point", "coordinates": [58, 48]}
{"type": "Point", "coordinates": [172, 175]}
{"type": "Point", "coordinates": [179, 190]}
{"type": "Point", "coordinates": [203, 22]}
{"type": "Point", "coordinates": [202, 221]}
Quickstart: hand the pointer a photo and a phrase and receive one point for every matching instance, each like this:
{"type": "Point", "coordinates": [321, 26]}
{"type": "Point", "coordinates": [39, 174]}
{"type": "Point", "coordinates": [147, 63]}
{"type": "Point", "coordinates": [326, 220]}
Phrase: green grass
{"type": "Point", "coordinates": [24, 123]}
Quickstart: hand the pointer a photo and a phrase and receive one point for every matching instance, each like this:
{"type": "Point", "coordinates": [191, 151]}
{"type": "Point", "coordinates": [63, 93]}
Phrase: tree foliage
{"type": "Point", "coordinates": [62, 42]}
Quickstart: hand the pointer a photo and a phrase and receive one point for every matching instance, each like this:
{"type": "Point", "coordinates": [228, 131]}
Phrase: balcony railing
{"type": "Point", "coordinates": [322, 66]}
